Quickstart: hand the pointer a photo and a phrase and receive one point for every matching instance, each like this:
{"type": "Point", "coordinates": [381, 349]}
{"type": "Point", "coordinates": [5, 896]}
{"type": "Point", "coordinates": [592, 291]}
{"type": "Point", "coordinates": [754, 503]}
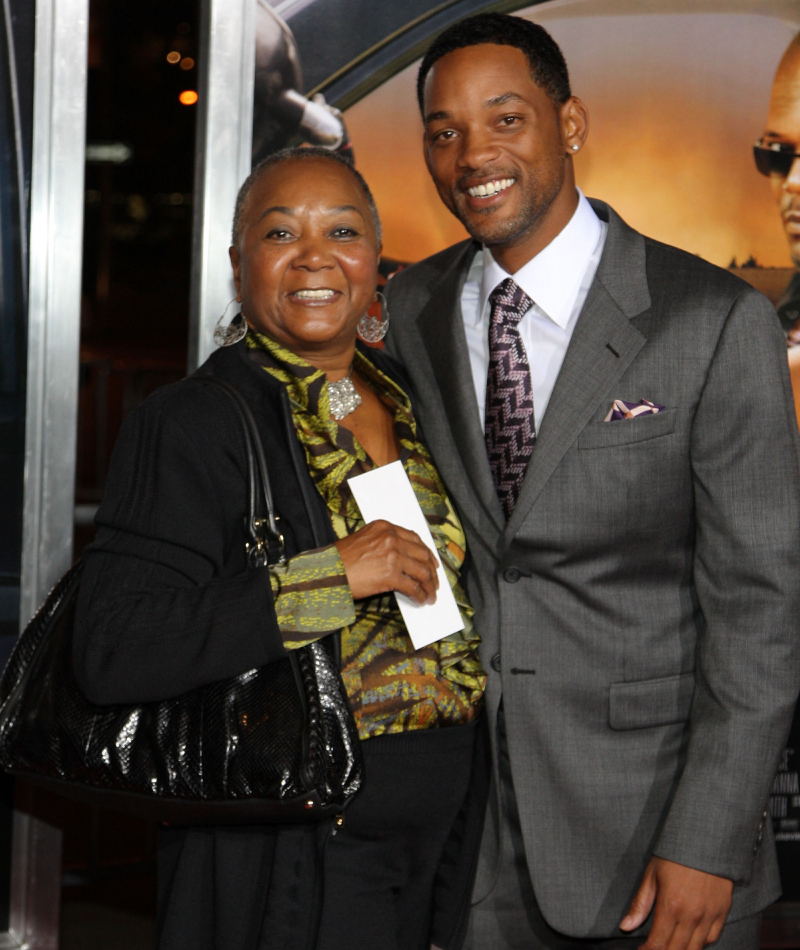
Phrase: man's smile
{"type": "Point", "coordinates": [490, 188]}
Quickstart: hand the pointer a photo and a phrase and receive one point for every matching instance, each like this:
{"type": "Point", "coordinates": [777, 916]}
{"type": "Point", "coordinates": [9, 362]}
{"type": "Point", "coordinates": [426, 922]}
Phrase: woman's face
{"type": "Point", "coordinates": [306, 266]}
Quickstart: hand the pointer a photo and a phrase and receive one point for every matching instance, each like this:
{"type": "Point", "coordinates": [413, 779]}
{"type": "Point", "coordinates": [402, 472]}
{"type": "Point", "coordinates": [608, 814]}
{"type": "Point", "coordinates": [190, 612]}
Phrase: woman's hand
{"type": "Point", "coordinates": [382, 557]}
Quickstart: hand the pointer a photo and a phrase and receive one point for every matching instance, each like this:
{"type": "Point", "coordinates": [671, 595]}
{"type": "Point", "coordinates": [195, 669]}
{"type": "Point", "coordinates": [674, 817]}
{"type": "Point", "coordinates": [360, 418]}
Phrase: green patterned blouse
{"type": "Point", "coordinates": [391, 686]}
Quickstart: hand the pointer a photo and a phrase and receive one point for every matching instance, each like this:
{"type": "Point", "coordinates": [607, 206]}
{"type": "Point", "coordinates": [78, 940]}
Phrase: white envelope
{"type": "Point", "coordinates": [386, 494]}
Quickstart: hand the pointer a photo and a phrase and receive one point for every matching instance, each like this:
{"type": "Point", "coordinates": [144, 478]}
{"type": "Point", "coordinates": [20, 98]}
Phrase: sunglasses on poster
{"type": "Point", "coordinates": [776, 158]}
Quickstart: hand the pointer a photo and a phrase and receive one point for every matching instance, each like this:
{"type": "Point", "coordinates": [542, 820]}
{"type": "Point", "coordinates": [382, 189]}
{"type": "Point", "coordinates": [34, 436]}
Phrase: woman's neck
{"type": "Point", "coordinates": [333, 357]}
{"type": "Point", "coordinates": [335, 364]}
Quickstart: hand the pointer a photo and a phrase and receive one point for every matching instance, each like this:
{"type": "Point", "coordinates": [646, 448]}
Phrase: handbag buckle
{"type": "Point", "coordinates": [263, 553]}
{"type": "Point", "coordinates": [260, 552]}
{"type": "Point", "coordinates": [256, 553]}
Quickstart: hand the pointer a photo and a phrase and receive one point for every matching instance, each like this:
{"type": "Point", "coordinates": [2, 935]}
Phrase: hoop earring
{"type": "Point", "coordinates": [371, 329]}
{"type": "Point", "coordinates": [234, 332]}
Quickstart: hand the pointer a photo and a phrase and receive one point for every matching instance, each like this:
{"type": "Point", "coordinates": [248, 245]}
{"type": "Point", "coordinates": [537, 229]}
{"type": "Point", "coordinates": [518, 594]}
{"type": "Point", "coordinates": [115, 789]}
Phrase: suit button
{"type": "Point", "coordinates": [511, 574]}
{"type": "Point", "coordinates": [496, 662]}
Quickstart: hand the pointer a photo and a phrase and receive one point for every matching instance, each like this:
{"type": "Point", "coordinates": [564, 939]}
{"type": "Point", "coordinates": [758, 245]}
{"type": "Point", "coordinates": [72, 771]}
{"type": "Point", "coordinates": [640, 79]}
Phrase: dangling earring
{"type": "Point", "coordinates": [234, 332]}
{"type": "Point", "coordinates": [371, 329]}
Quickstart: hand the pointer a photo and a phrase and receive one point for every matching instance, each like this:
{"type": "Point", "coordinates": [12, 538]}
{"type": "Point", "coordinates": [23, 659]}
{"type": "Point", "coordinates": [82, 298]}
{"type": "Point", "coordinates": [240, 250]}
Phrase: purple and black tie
{"type": "Point", "coordinates": [510, 427]}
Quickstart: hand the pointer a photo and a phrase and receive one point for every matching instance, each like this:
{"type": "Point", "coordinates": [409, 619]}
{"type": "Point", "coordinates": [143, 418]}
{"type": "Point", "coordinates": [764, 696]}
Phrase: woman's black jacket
{"type": "Point", "coordinates": [167, 603]}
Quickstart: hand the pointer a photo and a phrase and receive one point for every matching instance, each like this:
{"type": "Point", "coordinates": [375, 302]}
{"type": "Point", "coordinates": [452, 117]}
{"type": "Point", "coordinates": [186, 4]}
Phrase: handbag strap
{"type": "Point", "coordinates": [265, 541]}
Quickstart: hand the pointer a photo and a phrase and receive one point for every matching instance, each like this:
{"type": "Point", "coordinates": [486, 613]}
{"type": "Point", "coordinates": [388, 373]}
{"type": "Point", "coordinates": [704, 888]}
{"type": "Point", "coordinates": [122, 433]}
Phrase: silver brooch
{"type": "Point", "coordinates": [343, 396]}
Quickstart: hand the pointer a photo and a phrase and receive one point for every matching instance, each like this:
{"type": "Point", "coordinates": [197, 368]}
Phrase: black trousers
{"type": "Point", "coordinates": [300, 887]}
{"type": "Point", "coordinates": [379, 868]}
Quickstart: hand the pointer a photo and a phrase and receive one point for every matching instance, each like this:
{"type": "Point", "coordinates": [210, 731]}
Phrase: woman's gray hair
{"type": "Point", "coordinates": [300, 153]}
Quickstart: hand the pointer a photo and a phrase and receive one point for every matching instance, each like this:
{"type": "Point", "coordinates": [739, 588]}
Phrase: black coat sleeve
{"type": "Point", "coordinates": [167, 602]}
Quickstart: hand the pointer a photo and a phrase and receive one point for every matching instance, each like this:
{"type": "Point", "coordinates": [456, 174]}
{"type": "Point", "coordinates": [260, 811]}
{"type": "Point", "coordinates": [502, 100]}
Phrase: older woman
{"type": "Point", "coordinates": [167, 603]}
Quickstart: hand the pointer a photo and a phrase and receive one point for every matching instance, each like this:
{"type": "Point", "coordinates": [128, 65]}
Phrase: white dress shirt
{"type": "Point", "coordinates": [557, 280]}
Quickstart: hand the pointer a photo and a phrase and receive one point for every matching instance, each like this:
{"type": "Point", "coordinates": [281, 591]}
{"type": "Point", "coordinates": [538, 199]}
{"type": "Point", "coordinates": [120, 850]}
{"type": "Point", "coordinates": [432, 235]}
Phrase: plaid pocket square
{"type": "Point", "coordinates": [630, 410]}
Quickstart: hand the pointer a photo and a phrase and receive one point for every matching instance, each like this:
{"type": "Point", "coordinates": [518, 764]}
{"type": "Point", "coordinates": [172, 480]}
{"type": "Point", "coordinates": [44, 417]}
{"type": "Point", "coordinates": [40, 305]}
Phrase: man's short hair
{"type": "Point", "coordinates": [547, 64]}
{"type": "Point", "coordinates": [299, 153]}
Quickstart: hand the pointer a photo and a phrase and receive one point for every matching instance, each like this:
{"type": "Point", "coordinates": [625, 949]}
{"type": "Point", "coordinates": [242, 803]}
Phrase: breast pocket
{"type": "Point", "coordinates": [600, 435]}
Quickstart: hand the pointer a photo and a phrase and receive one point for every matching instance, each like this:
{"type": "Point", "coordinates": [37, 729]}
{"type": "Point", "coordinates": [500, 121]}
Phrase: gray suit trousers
{"type": "Point", "coordinates": [509, 917]}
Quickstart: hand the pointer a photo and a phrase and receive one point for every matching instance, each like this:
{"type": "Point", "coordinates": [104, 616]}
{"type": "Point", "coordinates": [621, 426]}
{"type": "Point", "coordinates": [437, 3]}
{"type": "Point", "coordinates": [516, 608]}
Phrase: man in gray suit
{"type": "Point", "coordinates": [614, 419]}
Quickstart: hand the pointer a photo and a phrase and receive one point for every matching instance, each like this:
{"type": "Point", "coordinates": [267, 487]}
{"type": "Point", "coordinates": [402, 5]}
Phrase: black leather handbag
{"type": "Point", "coordinates": [275, 744]}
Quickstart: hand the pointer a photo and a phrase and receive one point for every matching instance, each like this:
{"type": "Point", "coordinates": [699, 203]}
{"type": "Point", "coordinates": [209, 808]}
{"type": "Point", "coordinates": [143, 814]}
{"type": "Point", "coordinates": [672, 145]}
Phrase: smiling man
{"type": "Point", "coordinates": [614, 418]}
{"type": "Point", "coordinates": [777, 155]}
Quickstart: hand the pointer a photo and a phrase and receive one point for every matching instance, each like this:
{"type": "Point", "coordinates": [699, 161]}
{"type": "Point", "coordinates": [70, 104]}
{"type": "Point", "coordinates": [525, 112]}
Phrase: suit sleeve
{"type": "Point", "coordinates": [166, 601]}
{"type": "Point", "coordinates": [744, 455]}
{"type": "Point", "coordinates": [393, 307]}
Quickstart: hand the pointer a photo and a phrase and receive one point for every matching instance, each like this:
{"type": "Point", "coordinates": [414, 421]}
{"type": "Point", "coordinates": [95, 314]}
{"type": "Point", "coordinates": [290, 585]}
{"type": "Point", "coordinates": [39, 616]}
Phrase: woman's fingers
{"type": "Point", "coordinates": [382, 556]}
{"type": "Point", "coordinates": [419, 553]}
{"type": "Point", "coordinates": [413, 545]}
{"type": "Point", "coordinates": [414, 575]}
{"type": "Point", "coordinates": [393, 558]}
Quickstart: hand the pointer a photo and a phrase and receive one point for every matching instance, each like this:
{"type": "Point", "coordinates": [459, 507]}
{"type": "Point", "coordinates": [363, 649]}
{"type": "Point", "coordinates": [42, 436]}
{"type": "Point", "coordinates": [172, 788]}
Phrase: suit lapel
{"type": "Point", "coordinates": [603, 346]}
{"type": "Point", "coordinates": [441, 328]}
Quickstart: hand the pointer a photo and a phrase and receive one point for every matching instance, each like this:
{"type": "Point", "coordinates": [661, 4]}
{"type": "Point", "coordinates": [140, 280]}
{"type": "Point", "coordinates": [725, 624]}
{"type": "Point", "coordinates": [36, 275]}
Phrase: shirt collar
{"type": "Point", "coordinates": [552, 278]}
{"type": "Point", "coordinates": [306, 384]}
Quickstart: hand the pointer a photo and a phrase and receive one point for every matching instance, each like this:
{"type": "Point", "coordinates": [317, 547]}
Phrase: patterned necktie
{"type": "Point", "coordinates": [510, 429]}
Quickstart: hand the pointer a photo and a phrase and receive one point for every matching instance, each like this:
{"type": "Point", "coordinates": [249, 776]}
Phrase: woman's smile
{"type": "Point", "coordinates": [315, 296]}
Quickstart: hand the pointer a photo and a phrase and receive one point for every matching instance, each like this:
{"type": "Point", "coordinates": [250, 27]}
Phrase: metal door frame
{"type": "Point", "coordinates": [54, 299]}
{"type": "Point", "coordinates": [222, 157]}
{"type": "Point", "coordinates": [54, 295]}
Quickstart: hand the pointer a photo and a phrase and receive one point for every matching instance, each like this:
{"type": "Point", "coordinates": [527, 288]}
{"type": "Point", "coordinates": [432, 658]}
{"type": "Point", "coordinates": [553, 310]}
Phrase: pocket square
{"type": "Point", "coordinates": [630, 410]}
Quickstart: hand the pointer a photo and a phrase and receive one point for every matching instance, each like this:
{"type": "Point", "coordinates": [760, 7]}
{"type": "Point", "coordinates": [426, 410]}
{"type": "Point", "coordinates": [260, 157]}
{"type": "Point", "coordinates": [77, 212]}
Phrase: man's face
{"type": "Point", "coordinates": [493, 143]}
{"type": "Point", "coordinates": [783, 125]}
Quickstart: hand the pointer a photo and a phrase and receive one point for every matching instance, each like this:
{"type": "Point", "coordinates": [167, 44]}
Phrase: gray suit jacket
{"type": "Point", "coordinates": [649, 575]}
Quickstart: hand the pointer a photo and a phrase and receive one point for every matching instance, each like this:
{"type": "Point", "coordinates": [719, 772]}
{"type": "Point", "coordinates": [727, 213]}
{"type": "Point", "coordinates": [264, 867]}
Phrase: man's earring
{"type": "Point", "coordinates": [371, 329]}
{"type": "Point", "coordinates": [574, 147]}
{"type": "Point", "coordinates": [234, 332]}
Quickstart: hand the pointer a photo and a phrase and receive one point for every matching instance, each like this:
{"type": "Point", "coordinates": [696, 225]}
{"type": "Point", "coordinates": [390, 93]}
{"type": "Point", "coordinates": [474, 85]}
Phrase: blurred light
{"type": "Point", "coordinates": [187, 63]}
{"type": "Point", "coordinates": [108, 153]}
{"type": "Point", "coordinates": [176, 198]}
{"type": "Point", "coordinates": [137, 208]}
{"type": "Point", "coordinates": [183, 27]}
{"type": "Point", "coordinates": [188, 97]}
{"type": "Point", "coordinates": [173, 57]}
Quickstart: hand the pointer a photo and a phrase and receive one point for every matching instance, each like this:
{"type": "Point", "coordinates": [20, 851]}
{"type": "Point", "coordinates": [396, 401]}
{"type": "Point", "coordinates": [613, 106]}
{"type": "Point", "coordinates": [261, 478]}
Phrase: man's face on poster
{"type": "Point", "coordinates": [783, 131]}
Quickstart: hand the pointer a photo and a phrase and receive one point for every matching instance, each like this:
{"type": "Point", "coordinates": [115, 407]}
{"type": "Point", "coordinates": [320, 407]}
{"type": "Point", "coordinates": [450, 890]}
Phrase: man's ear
{"type": "Point", "coordinates": [233, 252]}
{"type": "Point", "coordinates": [573, 120]}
